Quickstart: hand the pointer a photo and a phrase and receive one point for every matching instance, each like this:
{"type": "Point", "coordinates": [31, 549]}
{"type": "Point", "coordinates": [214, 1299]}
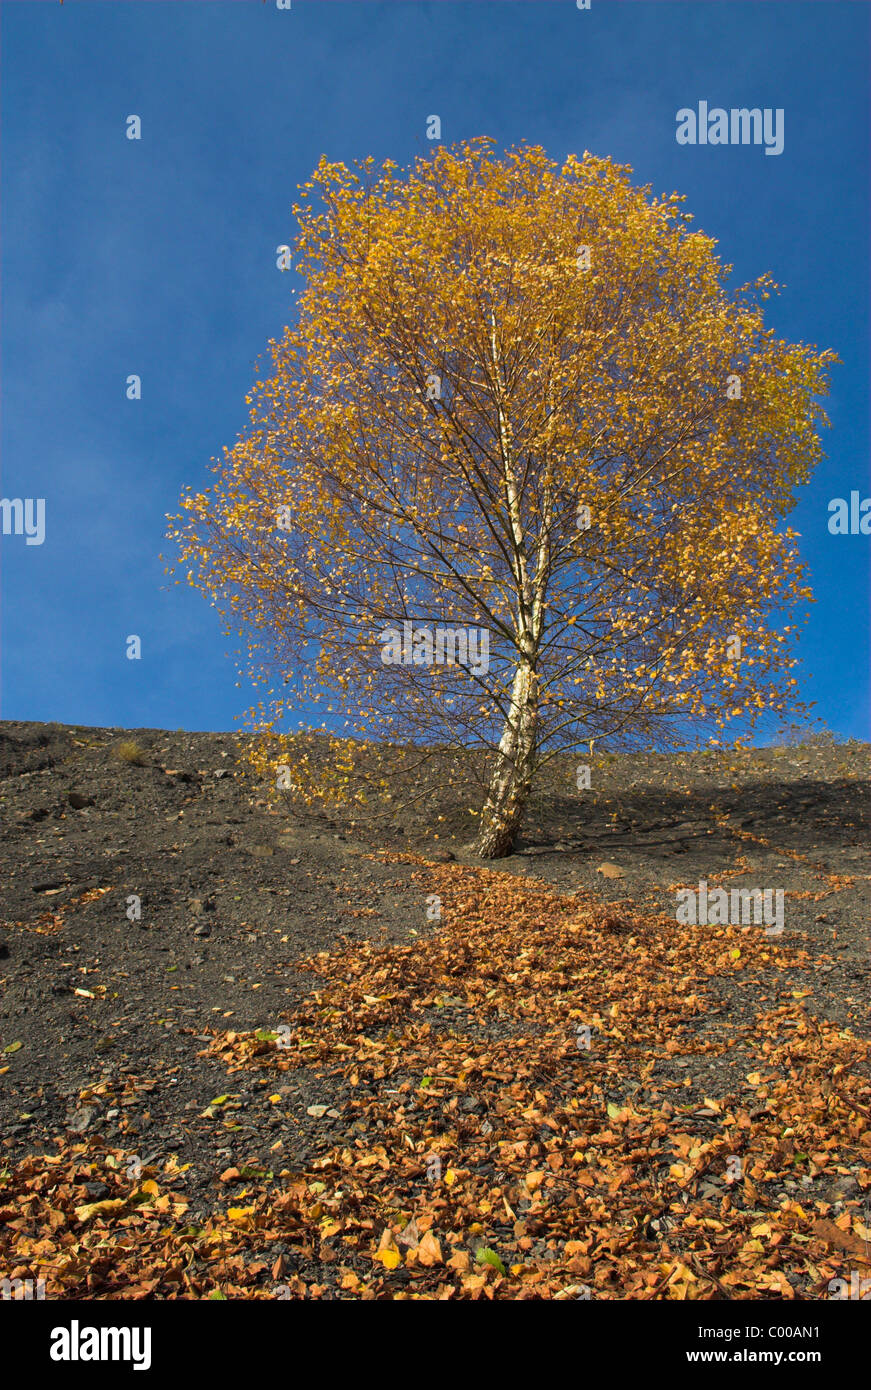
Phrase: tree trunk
{"type": "Point", "coordinates": [512, 776]}
{"type": "Point", "coordinates": [511, 782]}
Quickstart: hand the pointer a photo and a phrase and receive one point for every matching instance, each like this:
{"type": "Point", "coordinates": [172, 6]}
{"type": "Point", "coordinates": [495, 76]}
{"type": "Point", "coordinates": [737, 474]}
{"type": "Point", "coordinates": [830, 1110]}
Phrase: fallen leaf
{"type": "Point", "coordinates": [91, 1209]}
{"type": "Point", "coordinates": [485, 1256]}
{"type": "Point", "coordinates": [429, 1252]}
{"type": "Point", "coordinates": [389, 1258]}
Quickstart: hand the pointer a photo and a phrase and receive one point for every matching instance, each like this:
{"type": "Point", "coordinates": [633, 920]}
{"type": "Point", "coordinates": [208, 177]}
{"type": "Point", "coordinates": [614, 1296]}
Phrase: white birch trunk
{"type": "Point", "coordinates": [511, 781]}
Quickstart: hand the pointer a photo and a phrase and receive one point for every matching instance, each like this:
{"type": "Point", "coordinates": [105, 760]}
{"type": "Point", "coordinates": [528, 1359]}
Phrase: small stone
{"type": "Point", "coordinates": [317, 1112]}
{"type": "Point", "coordinates": [80, 1120]}
{"type": "Point", "coordinates": [202, 930]}
{"type": "Point", "coordinates": [78, 801]}
{"type": "Point", "coordinates": [846, 1187]}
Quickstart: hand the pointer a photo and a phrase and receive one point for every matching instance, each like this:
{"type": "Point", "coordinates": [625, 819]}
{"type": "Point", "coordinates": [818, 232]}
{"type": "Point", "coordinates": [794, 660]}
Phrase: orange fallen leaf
{"type": "Point", "coordinates": [429, 1252]}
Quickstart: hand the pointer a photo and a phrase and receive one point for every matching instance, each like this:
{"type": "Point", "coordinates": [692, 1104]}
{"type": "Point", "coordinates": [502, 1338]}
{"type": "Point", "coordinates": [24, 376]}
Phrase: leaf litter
{"type": "Point", "coordinates": [536, 1110]}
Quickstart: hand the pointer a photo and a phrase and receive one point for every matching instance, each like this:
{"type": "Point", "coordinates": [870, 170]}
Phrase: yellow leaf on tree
{"type": "Point", "coordinates": [505, 368]}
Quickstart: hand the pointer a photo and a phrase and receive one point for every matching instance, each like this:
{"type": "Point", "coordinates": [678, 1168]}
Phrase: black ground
{"type": "Point", "coordinates": [103, 1019]}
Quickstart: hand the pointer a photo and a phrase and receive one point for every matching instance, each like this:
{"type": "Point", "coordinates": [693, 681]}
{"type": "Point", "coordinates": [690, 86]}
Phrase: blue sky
{"type": "Point", "coordinates": [157, 257]}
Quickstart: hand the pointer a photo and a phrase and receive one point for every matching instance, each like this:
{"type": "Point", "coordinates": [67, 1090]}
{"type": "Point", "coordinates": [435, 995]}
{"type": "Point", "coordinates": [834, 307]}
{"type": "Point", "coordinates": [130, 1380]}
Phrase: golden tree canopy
{"type": "Point", "coordinates": [520, 400]}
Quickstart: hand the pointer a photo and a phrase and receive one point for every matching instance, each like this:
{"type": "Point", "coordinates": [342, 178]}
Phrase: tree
{"type": "Point", "coordinates": [520, 418]}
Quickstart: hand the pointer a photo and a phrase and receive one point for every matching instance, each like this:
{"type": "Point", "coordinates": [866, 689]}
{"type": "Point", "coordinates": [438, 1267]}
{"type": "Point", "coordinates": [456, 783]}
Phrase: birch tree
{"type": "Point", "coordinates": [520, 409]}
